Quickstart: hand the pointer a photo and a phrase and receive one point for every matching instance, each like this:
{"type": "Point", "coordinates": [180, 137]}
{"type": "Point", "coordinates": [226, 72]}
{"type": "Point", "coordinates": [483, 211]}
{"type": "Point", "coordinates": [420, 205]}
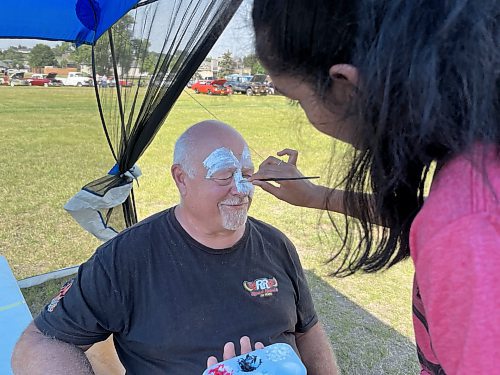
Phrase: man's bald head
{"type": "Point", "coordinates": [202, 138]}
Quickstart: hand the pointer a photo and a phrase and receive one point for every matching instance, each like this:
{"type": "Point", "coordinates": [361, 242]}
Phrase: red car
{"type": "Point", "coordinates": [123, 83]}
{"type": "Point", "coordinates": [45, 80]}
{"type": "Point", "coordinates": [213, 87]}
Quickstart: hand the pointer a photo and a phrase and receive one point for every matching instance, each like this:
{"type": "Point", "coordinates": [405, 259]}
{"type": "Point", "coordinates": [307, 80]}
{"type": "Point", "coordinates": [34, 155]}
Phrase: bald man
{"type": "Point", "coordinates": [177, 286]}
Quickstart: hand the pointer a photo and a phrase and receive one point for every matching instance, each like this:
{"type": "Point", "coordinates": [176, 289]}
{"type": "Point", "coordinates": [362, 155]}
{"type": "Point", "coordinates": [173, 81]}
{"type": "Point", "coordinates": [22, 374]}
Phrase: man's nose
{"type": "Point", "coordinates": [238, 188]}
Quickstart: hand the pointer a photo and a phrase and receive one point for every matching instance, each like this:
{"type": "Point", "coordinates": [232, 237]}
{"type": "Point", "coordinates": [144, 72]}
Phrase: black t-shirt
{"type": "Point", "coordinates": [171, 302]}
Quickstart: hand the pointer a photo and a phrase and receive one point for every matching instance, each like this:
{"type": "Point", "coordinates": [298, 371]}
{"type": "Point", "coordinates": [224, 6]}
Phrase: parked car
{"type": "Point", "coordinates": [229, 87]}
{"type": "Point", "coordinates": [234, 81]}
{"type": "Point", "coordinates": [198, 83]}
{"type": "Point", "coordinates": [250, 85]}
{"type": "Point", "coordinates": [212, 87]}
{"type": "Point", "coordinates": [123, 83]}
{"type": "Point", "coordinates": [78, 79]}
{"type": "Point", "coordinates": [17, 79]}
{"type": "Point", "coordinates": [45, 80]}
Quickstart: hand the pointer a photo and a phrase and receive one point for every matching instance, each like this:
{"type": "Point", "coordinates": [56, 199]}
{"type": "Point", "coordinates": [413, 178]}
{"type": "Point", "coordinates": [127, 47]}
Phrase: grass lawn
{"type": "Point", "coordinates": [52, 144]}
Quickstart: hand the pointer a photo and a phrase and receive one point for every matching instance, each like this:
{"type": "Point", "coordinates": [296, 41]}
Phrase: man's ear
{"type": "Point", "coordinates": [179, 176]}
{"type": "Point", "coordinates": [345, 71]}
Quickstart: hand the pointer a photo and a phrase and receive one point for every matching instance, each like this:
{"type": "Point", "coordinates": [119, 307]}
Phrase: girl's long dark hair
{"type": "Point", "coordinates": [429, 90]}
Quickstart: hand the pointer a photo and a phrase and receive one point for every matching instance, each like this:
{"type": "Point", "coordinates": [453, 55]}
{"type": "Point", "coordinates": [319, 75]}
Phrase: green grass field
{"type": "Point", "coordinates": [52, 144]}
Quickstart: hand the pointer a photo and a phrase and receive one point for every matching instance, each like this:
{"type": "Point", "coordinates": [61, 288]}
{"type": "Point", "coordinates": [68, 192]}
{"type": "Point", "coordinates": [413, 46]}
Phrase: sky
{"type": "Point", "coordinates": [236, 38]}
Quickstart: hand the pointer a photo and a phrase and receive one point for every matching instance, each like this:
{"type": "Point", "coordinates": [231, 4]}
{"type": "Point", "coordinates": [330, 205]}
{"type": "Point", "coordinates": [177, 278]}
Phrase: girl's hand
{"type": "Point", "coordinates": [297, 192]}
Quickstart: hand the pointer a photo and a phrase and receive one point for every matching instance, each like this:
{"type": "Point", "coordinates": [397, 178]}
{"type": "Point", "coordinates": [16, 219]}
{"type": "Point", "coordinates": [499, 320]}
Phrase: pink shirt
{"type": "Point", "coordinates": [455, 246]}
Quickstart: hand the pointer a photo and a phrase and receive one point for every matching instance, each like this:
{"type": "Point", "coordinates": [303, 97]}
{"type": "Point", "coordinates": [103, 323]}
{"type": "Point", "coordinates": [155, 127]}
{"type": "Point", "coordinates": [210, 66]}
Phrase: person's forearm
{"type": "Point", "coordinates": [36, 354]}
{"type": "Point", "coordinates": [317, 197]}
{"type": "Point", "coordinates": [326, 198]}
{"type": "Point", "coordinates": [316, 352]}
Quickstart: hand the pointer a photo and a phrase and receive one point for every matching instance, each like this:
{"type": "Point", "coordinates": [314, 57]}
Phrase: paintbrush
{"type": "Point", "coordinates": [286, 178]}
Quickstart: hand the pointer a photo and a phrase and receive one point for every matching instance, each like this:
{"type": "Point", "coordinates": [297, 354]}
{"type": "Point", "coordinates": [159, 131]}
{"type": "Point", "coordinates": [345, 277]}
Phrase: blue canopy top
{"type": "Point", "coordinates": [77, 21]}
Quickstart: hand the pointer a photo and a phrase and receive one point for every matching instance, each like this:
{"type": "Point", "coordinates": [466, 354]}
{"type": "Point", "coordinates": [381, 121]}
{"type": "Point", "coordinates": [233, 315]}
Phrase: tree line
{"type": "Point", "coordinates": [129, 52]}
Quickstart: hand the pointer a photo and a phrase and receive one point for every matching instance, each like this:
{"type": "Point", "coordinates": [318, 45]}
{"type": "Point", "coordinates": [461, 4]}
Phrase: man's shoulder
{"type": "Point", "coordinates": [141, 233]}
{"type": "Point", "coordinates": [156, 220]}
{"type": "Point", "coordinates": [271, 238]}
{"type": "Point", "coordinates": [153, 220]}
{"type": "Point", "coordinates": [134, 247]}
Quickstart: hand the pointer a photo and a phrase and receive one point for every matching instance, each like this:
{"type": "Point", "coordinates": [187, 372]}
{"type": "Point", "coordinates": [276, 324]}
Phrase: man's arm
{"type": "Point", "coordinates": [316, 352]}
{"type": "Point", "coordinates": [36, 353]}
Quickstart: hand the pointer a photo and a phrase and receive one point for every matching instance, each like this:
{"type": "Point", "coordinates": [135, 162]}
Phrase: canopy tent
{"type": "Point", "coordinates": [147, 50]}
{"type": "Point", "coordinates": [77, 21]}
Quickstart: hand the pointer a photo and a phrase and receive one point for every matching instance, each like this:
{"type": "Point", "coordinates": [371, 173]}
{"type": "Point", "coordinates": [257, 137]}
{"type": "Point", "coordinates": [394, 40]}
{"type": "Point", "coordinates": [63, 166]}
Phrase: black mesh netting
{"type": "Point", "coordinates": [140, 67]}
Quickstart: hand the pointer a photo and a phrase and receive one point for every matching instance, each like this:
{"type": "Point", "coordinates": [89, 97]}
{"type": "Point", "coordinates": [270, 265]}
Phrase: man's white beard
{"type": "Point", "coordinates": [232, 218]}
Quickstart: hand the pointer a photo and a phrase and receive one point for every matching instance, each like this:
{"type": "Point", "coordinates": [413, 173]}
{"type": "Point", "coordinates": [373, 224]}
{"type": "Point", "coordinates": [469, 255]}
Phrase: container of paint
{"type": "Point", "coordinates": [276, 359]}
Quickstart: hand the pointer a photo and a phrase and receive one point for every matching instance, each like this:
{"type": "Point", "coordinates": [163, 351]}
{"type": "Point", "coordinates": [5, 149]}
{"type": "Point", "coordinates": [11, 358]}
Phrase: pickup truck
{"type": "Point", "coordinates": [250, 85]}
{"type": "Point", "coordinates": [77, 79]}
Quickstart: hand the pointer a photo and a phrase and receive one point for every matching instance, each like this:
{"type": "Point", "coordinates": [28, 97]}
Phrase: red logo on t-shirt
{"type": "Point", "coordinates": [262, 287]}
{"type": "Point", "coordinates": [60, 296]}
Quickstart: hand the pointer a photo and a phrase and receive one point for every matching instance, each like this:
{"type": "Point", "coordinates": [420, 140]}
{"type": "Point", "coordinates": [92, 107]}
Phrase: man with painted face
{"type": "Point", "coordinates": [178, 285]}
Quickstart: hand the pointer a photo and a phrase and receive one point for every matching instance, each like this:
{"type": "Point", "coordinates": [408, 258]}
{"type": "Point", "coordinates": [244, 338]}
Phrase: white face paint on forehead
{"type": "Point", "coordinates": [246, 159]}
{"type": "Point", "coordinates": [219, 159]}
{"type": "Point", "coordinates": [223, 158]}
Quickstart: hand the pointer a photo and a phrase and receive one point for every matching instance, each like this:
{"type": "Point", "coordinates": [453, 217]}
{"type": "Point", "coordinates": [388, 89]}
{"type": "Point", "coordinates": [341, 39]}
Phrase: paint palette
{"type": "Point", "coordinates": [276, 359]}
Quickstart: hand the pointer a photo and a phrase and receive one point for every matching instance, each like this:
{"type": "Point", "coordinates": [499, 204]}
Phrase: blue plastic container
{"type": "Point", "coordinates": [276, 359]}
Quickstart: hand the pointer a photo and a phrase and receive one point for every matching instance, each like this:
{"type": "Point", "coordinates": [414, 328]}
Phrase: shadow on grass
{"type": "Point", "coordinates": [363, 344]}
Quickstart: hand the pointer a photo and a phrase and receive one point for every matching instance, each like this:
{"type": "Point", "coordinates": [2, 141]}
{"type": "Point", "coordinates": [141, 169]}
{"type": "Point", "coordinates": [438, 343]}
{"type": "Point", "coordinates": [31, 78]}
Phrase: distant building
{"type": "Point", "coordinates": [60, 71]}
{"type": "Point", "coordinates": [208, 68]}
{"type": "Point", "coordinates": [23, 50]}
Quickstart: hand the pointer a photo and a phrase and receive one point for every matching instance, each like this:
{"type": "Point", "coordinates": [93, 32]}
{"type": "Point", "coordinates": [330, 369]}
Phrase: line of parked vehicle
{"type": "Point", "coordinates": [235, 83]}
{"type": "Point", "coordinates": [244, 84]}
{"type": "Point", "coordinates": [48, 80]}
{"type": "Point", "coordinates": [77, 79]}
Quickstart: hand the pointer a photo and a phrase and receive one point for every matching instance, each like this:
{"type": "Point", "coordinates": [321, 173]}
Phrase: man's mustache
{"type": "Point", "coordinates": [235, 201]}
